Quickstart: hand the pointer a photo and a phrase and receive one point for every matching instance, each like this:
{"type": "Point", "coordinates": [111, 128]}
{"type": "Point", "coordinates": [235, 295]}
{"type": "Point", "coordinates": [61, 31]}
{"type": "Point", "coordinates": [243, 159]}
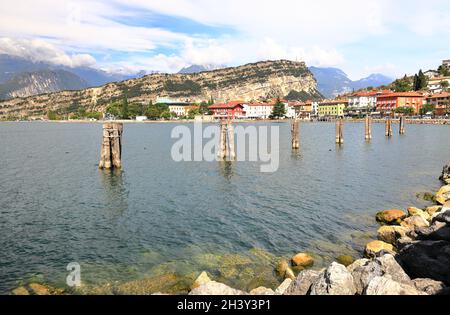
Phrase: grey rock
{"type": "Point", "coordinates": [443, 216]}
{"type": "Point", "coordinates": [282, 288]}
{"type": "Point", "coordinates": [215, 288]}
{"type": "Point", "coordinates": [437, 231]}
{"type": "Point", "coordinates": [427, 259]}
{"type": "Point", "coordinates": [380, 266]}
{"type": "Point", "coordinates": [302, 284]}
{"type": "Point", "coordinates": [429, 286]}
{"type": "Point", "coordinates": [385, 285]}
{"type": "Point", "coordinates": [335, 280]}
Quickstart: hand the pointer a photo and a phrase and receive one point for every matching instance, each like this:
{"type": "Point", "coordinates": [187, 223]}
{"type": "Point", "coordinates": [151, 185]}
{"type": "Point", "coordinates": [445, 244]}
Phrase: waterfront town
{"type": "Point", "coordinates": [433, 101]}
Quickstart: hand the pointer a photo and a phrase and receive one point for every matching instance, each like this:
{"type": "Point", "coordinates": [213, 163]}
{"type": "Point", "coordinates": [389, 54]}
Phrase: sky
{"type": "Point", "coordinates": [392, 37]}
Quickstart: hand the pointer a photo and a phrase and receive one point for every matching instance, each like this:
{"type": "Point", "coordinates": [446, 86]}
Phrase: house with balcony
{"type": "Point", "coordinates": [387, 103]}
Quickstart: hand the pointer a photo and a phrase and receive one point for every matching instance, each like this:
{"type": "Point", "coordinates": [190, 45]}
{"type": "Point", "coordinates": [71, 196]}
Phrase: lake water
{"type": "Point", "coordinates": [158, 216]}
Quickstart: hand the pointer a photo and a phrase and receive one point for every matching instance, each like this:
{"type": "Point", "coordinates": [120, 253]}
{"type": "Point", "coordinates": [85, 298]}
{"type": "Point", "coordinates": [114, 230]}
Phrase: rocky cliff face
{"type": "Point", "coordinates": [256, 81]}
{"type": "Point", "coordinates": [42, 81]}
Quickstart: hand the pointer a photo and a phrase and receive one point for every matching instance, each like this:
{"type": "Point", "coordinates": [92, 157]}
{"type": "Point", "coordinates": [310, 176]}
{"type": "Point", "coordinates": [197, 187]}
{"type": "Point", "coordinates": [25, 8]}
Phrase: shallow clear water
{"type": "Point", "coordinates": [158, 216]}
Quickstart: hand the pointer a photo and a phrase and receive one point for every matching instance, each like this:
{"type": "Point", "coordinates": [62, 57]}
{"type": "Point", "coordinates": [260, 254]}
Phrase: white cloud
{"type": "Point", "coordinates": [39, 50]}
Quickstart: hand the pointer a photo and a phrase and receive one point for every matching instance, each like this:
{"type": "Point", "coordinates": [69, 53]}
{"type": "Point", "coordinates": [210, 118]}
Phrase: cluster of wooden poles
{"type": "Point", "coordinates": [368, 128]}
{"type": "Point", "coordinates": [111, 151]}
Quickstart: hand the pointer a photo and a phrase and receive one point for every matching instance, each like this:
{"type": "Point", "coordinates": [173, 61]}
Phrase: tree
{"type": "Point", "coordinates": [279, 110]}
{"type": "Point", "coordinates": [443, 71]}
{"type": "Point", "coordinates": [124, 109]}
{"type": "Point", "coordinates": [403, 85]}
{"type": "Point", "coordinates": [444, 84]}
{"type": "Point", "coordinates": [406, 110]}
{"type": "Point", "coordinates": [423, 81]}
{"type": "Point", "coordinates": [427, 108]}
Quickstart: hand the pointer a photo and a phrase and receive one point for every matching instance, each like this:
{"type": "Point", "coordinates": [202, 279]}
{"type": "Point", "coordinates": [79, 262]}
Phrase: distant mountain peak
{"type": "Point", "coordinates": [333, 81]}
{"type": "Point", "coordinates": [200, 68]}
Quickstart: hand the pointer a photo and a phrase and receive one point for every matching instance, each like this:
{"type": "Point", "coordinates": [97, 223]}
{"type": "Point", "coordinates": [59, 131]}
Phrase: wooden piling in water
{"type": "Point", "coordinates": [295, 134]}
{"type": "Point", "coordinates": [388, 130]}
{"type": "Point", "coordinates": [368, 128]}
{"type": "Point", "coordinates": [401, 129]}
{"type": "Point", "coordinates": [340, 131]}
{"type": "Point", "coordinates": [111, 151]}
{"type": "Point", "coordinates": [226, 145]}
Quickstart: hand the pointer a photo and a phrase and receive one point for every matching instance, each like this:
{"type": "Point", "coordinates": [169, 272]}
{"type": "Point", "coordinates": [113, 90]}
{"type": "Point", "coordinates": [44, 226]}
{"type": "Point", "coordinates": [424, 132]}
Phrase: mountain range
{"type": "Point", "coordinates": [16, 72]}
{"type": "Point", "coordinates": [333, 81]}
{"type": "Point", "coordinates": [259, 81]}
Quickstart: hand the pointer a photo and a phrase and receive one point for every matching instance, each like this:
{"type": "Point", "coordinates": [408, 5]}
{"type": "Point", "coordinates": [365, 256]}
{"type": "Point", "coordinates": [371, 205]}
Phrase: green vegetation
{"type": "Point", "coordinates": [444, 71]}
{"type": "Point", "coordinates": [427, 108]}
{"type": "Point", "coordinates": [188, 86]}
{"type": "Point", "coordinates": [404, 110]}
{"type": "Point", "coordinates": [404, 84]}
{"type": "Point", "coordinates": [303, 96]}
{"type": "Point", "coordinates": [420, 81]}
{"type": "Point", "coordinates": [444, 84]}
{"type": "Point", "coordinates": [279, 110]}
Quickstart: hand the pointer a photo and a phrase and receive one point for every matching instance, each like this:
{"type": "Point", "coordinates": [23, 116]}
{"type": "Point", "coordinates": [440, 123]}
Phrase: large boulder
{"type": "Point", "coordinates": [416, 211]}
{"type": "Point", "coordinates": [391, 233]}
{"type": "Point", "coordinates": [443, 216]}
{"type": "Point", "coordinates": [443, 194]}
{"type": "Point", "coordinates": [302, 284]}
{"type": "Point", "coordinates": [378, 248]}
{"type": "Point", "coordinates": [415, 221]}
{"type": "Point", "coordinates": [302, 259]}
{"type": "Point", "coordinates": [284, 270]}
{"type": "Point", "coordinates": [433, 209]}
{"type": "Point", "coordinates": [335, 280]}
{"type": "Point", "coordinates": [429, 286]}
{"type": "Point", "coordinates": [215, 288]}
{"type": "Point", "coordinates": [364, 271]}
{"type": "Point", "coordinates": [385, 285]}
{"type": "Point", "coordinates": [391, 216]}
{"type": "Point", "coordinates": [435, 232]}
{"type": "Point", "coordinates": [427, 259]}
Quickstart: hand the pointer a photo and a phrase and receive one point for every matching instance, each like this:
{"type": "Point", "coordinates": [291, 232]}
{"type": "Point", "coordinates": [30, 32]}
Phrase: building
{"type": "Point", "coordinates": [314, 108]}
{"type": "Point", "coordinates": [302, 109]}
{"type": "Point", "coordinates": [435, 84]}
{"type": "Point", "coordinates": [364, 102]}
{"type": "Point", "coordinates": [431, 74]}
{"type": "Point", "coordinates": [446, 63]}
{"type": "Point", "coordinates": [233, 109]}
{"type": "Point", "coordinates": [332, 108]}
{"type": "Point", "coordinates": [386, 103]}
{"type": "Point", "coordinates": [179, 107]}
{"type": "Point", "coordinates": [441, 101]}
{"type": "Point", "coordinates": [258, 110]}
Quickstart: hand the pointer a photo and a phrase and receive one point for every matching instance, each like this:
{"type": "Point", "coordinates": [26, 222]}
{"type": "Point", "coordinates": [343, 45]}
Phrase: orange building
{"type": "Point", "coordinates": [388, 102]}
{"type": "Point", "coordinates": [441, 101]}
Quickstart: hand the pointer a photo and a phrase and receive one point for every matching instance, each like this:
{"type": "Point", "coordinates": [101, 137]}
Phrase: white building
{"type": "Point", "coordinates": [434, 84]}
{"type": "Point", "coordinates": [178, 107]}
{"type": "Point", "coordinates": [258, 110]}
{"type": "Point", "coordinates": [365, 100]}
{"type": "Point", "coordinates": [431, 74]}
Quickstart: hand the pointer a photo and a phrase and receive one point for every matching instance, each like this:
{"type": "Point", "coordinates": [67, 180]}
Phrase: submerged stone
{"type": "Point", "coordinates": [202, 279]}
{"type": "Point", "coordinates": [302, 259]}
{"type": "Point", "coordinates": [391, 216]}
{"type": "Point", "coordinates": [345, 260]}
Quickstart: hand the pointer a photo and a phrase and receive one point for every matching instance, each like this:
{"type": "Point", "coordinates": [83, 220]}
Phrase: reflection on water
{"type": "Point", "coordinates": [226, 169]}
{"type": "Point", "coordinates": [159, 217]}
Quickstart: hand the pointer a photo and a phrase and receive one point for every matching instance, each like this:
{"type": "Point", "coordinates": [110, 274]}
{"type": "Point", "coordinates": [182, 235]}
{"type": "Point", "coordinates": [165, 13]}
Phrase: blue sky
{"type": "Point", "coordinates": [360, 37]}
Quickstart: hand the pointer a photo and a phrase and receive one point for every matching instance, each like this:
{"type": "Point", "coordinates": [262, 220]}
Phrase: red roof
{"type": "Point", "coordinates": [402, 94]}
{"type": "Point", "coordinates": [372, 93]}
{"type": "Point", "coordinates": [229, 105]}
{"type": "Point", "coordinates": [440, 95]}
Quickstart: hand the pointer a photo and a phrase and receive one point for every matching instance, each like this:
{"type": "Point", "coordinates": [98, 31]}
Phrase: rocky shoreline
{"type": "Point", "coordinates": [410, 257]}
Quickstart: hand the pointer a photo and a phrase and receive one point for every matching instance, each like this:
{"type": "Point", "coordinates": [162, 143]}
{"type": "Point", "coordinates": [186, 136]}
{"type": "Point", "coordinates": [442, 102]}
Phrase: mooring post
{"type": "Point", "coordinates": [226, 145]}
{"type": "Point", "coordinates": [388, 127]}
{"type": "Point", "coordinates": [368, 129]}
{"type": "Point", "coordinates": [111, 152]}
{"type": "Point", "coordinates": [401, 129]}
{"type": "Point", "coordinates": [340, 131]}
{"type": "Point", "coordinates": [295, 134]}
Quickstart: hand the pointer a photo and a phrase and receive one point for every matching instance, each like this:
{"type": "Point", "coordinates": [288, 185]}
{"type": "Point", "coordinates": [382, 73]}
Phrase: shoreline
{"type": "Point", "coordinates": [188, 121]}
{"type": "Point", "coordinates": [409, 257]}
